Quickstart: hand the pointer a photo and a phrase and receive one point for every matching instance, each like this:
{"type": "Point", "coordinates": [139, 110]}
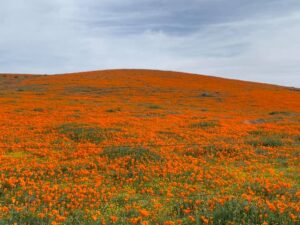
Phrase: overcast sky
{"type": "Point", "coordinates": [255, 40]}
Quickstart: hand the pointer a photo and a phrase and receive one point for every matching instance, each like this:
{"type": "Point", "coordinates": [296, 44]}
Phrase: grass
{"type": "Point", "coordinates": [283, 161]}
{"type": "Point", "coordinates": [38, 110]}
{"type": "Point", "coordinates": [138, 154]}
{"type": "Point", "coordinates": [205, 124]}
{"type": "Point", "coordinates": [267, 193]}
{"type": "Point", "coordinates": [118, 109]}
{"type": "Point", "coordinates": [84, 90]}
{"type": "Point", "coordinates": [260, 151]}
{"type": "Point", "coordinates": [170, 135]}
{"type": "Point", "coordinates": [151, 106]}
{"type": "Point", "coordinates": [234, 211]}
{"type": "Point", "coordinates": [266, 142]}
{"type": "Point", "coordinates": [271, 142]}
{"type": "Point", "coordinates": [263, 138]}
{"type": "Point", "coordinates": [82, 133]}
{"type": "Point", "coordinates": [25, 217]}
{"type": "Point", "coordinates": [297, 139]}
{"type": "Point", "coordinates": [34, 88]}
{"type": "Point", "coordinates": [207, 94]}
{"type": "Point", "coordinates": [16, 154]}
{"type": "Point", "coordinates": [280, 113]}
{"type": "Point", "coordinates": [63, 172]}
{"type": "Point", "coordinates": [211, 151]}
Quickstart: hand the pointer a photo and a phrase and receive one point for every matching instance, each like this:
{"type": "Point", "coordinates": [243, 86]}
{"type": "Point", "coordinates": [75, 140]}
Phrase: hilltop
{"type": "Point", "coordinates": [147, 147]}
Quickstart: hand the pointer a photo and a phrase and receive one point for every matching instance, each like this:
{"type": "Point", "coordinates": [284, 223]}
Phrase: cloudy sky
{"type": "Point", "coordinates": [255, 40]}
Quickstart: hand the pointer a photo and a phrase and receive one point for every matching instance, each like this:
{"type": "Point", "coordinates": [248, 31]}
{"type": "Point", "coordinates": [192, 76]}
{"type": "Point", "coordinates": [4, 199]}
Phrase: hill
{"type": "Point", "coordinates": [147, 147]}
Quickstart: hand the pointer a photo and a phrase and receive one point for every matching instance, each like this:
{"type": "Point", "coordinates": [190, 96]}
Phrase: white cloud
{"type": "Point", "coordinates": [64, 36]}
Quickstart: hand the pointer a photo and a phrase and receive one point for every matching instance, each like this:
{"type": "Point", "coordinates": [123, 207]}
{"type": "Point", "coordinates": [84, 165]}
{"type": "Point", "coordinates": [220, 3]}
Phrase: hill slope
{"type": "Point", "coordinates": [133, 146]}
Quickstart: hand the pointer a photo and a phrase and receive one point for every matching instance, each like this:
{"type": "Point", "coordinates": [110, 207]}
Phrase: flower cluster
{"type": "Point", "coordinates": [147, 147]}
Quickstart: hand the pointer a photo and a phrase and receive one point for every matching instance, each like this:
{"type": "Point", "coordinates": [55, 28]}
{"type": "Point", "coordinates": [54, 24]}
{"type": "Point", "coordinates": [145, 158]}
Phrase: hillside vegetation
{"type": "Point", "coordinates": [147, 147]}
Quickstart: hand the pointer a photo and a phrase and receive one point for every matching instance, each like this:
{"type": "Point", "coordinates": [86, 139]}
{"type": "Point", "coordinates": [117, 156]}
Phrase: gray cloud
{"type": "Point", "coordinates": [253, 40]}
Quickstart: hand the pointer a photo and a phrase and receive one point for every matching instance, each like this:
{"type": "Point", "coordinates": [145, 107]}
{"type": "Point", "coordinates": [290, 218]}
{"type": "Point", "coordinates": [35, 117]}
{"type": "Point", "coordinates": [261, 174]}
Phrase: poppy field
{"type": "Point", "coordinates": [147, 147]}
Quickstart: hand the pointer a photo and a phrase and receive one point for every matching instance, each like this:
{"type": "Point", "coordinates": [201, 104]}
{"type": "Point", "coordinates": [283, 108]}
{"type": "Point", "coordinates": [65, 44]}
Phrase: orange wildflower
{"type": "Point", "coordinates": [144, 212]}
{"type": "Point", "coordinates": [148, 143]}
{"type": "Point", "coordinates": [114, 219]}
{"type": "Point", "coordinates": [293, 217]}
{"type": "Point", "coordinates": [271, 206]}
{"type": "Point", "coordinates": [169, 223]}
{"type": "Point", "coordinates": [204, 219]}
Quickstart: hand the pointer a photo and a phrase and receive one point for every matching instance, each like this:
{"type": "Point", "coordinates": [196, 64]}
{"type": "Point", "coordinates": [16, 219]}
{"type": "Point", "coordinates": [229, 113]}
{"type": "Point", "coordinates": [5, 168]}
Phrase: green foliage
{"type": "Point", "coordinates": [152, 106]}
{"type": "Point", "coordinates": [207, 94]}
{"type": "Point", "coordinates": [271, 142]}
{"type": "Point", "coordinates": [138, 154]}
{"type": "Point", "coordinates": [24, 217]}
{"type": "Point", "coordinates": [212, 151]}
{"type": "Point", "coordinates": [257, 132]}
{"type": "Point", "coordinates": [205, 124]}
{"type": "Point", "coordinates": [82, 133]}
{"type": "Point", "coordinates": [170, 135]}
{"type": "Point", "coordinates": [118, 109]}
{"type": "Point", "coordinates": [280, 113]}
{"type": "Point", "coordinates": [34, 88]}
{"type": "Point", "coordinates": [234, 211]}
{"type": "Point", "coordinates": [260, 190]}
{"type": "Point", "coordinates": [89, 90]}
{"type": "Point", "coordinates": [267, 141]}
{"type": "Point", "coordinates": [297, 138]}
{"type": "Point", "coordinates": [83, 89]}
{"type": "Point", "coordinates": [38, 110]}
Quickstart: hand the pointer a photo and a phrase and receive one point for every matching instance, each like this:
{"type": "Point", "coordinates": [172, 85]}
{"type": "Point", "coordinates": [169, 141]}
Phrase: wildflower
{"type": "Point", "coordinates": [114, 219]}
{"type": "Point", "coordinates": [192, 218]}
{"type": "Point", "coordinates": [144, 212]}
{"type": "Point", "coordinates": [134, 220]}
{"type": "Point", "coordinates": [169, 223]}
{"type": "Point", "coordinates": [41, 215]}
{"type": "Point", "coordinates": [271, 206]}
{"type": "Point", "coordinates": [187, 211]}
{"type": "Point", "coordinates": [293, 217]}
{"type": "Point", "coordinates": [204, 219]}
{"type": "Point", "coordinates": [94, 217]}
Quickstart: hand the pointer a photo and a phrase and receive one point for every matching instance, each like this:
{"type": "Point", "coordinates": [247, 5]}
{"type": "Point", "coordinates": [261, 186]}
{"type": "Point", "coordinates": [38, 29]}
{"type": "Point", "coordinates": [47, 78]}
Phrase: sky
{"type": "Point", "coordinates": [256, 40]}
